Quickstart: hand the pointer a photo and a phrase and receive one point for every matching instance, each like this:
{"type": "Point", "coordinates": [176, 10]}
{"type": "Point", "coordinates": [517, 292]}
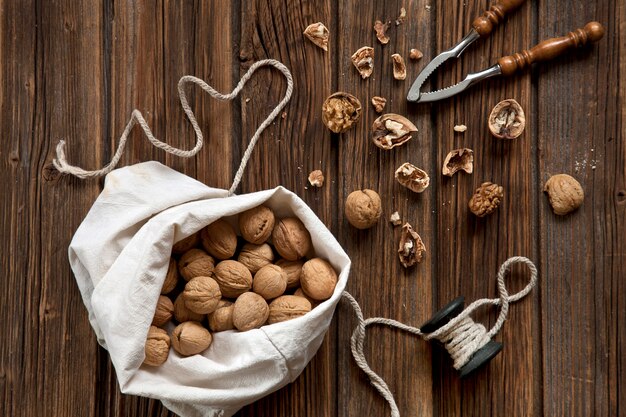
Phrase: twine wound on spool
{"type": "Point", "coordinates": [461, 336]}
{"type": "Point", "coordinates": [61, 164]}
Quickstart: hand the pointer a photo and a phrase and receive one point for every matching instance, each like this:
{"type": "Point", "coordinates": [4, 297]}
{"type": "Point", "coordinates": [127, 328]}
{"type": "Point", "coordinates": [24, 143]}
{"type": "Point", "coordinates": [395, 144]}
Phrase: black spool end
{"type": "Point", "coordinates": [443, 316]}
{"type": "Point", "coordinates": [481, 358]}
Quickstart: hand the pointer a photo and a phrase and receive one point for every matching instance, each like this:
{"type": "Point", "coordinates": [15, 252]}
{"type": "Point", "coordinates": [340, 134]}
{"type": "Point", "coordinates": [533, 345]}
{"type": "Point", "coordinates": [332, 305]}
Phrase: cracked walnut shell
{"type": "Point", "coordinates": [341, 111]}
{"type": "Point", "coordinates": [507, 120]}
{"type": "Point", "coordinates": [288, 307]}
{"type": "Point", "coordinates": [415, 54]}
{"type": "Point", "coordinates": [190, 338]}
{"type": "Point", "coordinates": [381, 28]}
{"type": "Point", "coordinates": [411, 248]}
{"type": "Point", "coordinates": [412, 177]}
{"type": "Point", "coordinates": [270, 282]}
{"type": "Point", "coordinates": [318, 34]}
{"type": "Point", "coordinates": [202, 294]}
{"type": "Point", "coordinates": [291, 239]}
{"type": "Point", "coordinates": [157, 347]}
{"type": "Point", "coordinates": [391, 130]}
{"type": "Point", "coordinates": [363, 208]}
{"type": "Point", "coordinates": [458, 160]}
{"type": "Point", "coordinates": [195, 263]}
{"type": "Point", "coordinates": [250, 311]}
{"type": "Point", "coordinates": [233, 278]}
{"type": "Point", "coordinates": [363, 61]}
{"type": "Point", "coordinates": [318, 279]}
{"type": "Point", "coordinates": [564, 193]}
{"type": "Point", "coordinates": [219, 239]}
{"type": "Point", "coordinates": [486, 199]}
{"type": "Point", "coordinates": [256, 224]}
{"type": "Point", "coordinates": [163, 312]}
{"type": "Point", "coordinates": [255, 257]}
{"type": "Point", "coordinates": [399, 68]}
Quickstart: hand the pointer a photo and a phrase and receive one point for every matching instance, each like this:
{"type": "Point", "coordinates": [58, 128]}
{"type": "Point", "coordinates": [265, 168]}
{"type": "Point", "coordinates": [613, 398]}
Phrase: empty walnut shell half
{"type": "Point", "coordinates": [507, 120]}
{"type": "Point", "coordinates": [458, 160]}
{"type": "Point", "coordinates": [318, 34]}
{"type": "Point", "coordinates": [486, 199]}
{"type": "Point", "coordinates": [363, 61]}
{"type": "Point", "coordinates": [411, 248]}
{"type": "Point", "coordinates": [391, 130]}
{"type": "Point", "coordinates": [412, 177]}
{"type": "Point", "coordinates": [399, 69]}
{"type": "Point", "coordinates": [341, 111]}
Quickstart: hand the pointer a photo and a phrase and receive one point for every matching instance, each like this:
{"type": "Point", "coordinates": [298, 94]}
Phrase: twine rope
{"type": "Point", "coordinates": [61, 164]}
{"type": "Point", "coordinates": [461, 336]}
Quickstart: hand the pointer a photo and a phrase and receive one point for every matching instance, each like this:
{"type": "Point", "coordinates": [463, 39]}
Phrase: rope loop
{"type": "Point", "coordinates": [61, 164]}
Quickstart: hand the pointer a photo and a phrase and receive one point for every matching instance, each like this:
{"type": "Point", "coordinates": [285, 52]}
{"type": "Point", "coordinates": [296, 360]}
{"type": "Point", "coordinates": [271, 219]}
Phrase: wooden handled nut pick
{"type": "Point", "coordinates": [508, 65]}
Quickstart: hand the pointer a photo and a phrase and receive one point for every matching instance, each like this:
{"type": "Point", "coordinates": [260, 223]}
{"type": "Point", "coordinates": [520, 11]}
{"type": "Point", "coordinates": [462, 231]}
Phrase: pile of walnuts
{"type": "Point", "coordinates": [218, 281]}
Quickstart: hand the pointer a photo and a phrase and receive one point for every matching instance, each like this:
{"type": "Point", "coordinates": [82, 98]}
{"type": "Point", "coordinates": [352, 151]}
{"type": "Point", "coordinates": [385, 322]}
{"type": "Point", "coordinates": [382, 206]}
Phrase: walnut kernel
{"type": "Point", "coordinates": [412, 177]}
{"type": "Point", "coordinates": [564, 193]}
{"type": "Point", "coordinates": [256, 224]}
{"type": "Point", "coordinates": [157, 347]}
{"type": "Point", "coordinates": [318, 279]}
{"type": "Point", "coordinates": [316, 178]}
{"type": "Point", "coordinates": [486, 199]}
{"type": "Point", "coordinates": [411, 248]}
{"type": "Point", "coordinates": [195, 263]}
{"type": "Point", "coordinates": [341, 111]}
{"type": "Point", "coordinates": [459, 128]}
{"type": "Point", "coordinates": [202, 294]}
{"type": "Point", "coordinates": [363, 208]}
{"type": "Point", "coordinates": [507, 120]}
{"type": "Point", "coordinates": [395, 218]}
{"type": "Point", "coordinates": [291, 239]}
{"type": "Point", "coordinates": [288, 307]}
{"type": "Point", "coordinates": [293, 269]}
{"type": "Point", "coordinates": [233, 278]}
{"type": "Point", "coordinates": [318, 34]}
{"type": "Point", "coordinates": [250, 311]}
{"type": "Point", "coordinates": [399, 68]}
{"type": "Point", "coordinates": [219, 239]}
{"type": "Point", "coordinates": [163, 312]}
{"type": "Point", "coordinates": [363, 61]}
{"type": "Point", "coordinates": [270, 282]}
{"type": "Point", "coordinates": [458, 160]}
{"type": "Point", "coordinates": [255, 257]}
{"type": "Point", "coordinates": [415, 54]}
{"type": "Point", "coordinates": [190, 338]}
{"type": "Point", "coordinates": [171, 278]}
{"type": "Point", "coordinates": [381, 28]}
{"type": "Point", "coordinates": [391, 130]}
{"type": "Point", "coordinates": [379, 103]}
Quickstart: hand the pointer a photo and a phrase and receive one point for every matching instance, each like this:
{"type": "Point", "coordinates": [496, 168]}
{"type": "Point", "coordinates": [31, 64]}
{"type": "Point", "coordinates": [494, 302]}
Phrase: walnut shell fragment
{"type": "Point", "coordinates": [564, 193]}
{"type": "Point", "coordinates": [363, 60]}
{"type": "Point", "coordinates": [458, 160]}
{"type": "Point", "coordinates": [341, 111]}
{"type": "Point", "coordinates": [399, 69]}
{"type": "Point", "coordinates": [507, 120]}
{"type": "Point", "coordinates": [411, 248]}
{"type": "Point", "coordinates": [391, 130]}
{"type": "Point", "coordinates": [318, 34]}
{"type": "Point", "coordinates": [401, 16]}
{"type": "Point", "coordinates": [379, 103]}
{"type": "Point", "coordinates": [415, 54]}
{"type": "Point", "coordinates": [486, 199]}
{"type": "Point", "coordinates": [381, 28]}
{"type": "Point", "coordinates": [412, 177]}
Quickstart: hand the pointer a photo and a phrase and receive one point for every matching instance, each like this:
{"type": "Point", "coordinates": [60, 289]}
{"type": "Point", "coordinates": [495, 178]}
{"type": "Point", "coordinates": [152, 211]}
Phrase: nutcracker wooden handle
{"type": "Point", "coordinates": [492, 17]}
{"type": "Point", "coordinates": [551, 48]}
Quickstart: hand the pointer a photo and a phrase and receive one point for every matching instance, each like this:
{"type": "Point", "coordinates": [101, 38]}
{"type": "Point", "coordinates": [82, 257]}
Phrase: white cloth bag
{"type": "Point", "coordinates": [120, 256]}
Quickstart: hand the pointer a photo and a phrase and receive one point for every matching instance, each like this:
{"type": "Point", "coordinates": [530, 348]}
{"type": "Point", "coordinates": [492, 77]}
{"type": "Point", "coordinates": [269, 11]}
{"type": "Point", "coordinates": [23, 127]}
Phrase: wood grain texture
{"type": "Point", "coordinates": [76, 69]}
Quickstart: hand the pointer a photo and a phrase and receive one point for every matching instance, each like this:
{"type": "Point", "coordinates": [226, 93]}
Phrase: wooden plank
{"type": "Point", "coordinates": [378, 281]}
{"type": "Point", "coordinates": [288, 150]}
{"type": "Point", "coordinates": [581, 133]}
{"type": "Point", "coordinates": [469, 249]}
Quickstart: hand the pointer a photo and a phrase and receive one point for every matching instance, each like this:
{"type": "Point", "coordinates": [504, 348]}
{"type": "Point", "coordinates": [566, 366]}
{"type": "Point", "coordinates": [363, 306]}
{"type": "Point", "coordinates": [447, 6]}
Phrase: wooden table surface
{"type": "Point", "coordinates": [75, 69]}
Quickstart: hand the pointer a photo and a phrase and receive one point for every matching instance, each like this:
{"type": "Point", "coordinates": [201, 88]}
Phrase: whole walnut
{"type": "Point", "coordinates": [486, 199]}
{"type": "Point", "coordinates": [219, 239]}
{"type": "Point", "coordinates": [291, 239]}
{"type": "Point", "coordinates": [186, 244]}
{"type": "Point", "coordinates": [163, 312]}
{"type": "Point", "coordinates": [222, 318]}
{"type": "Point", "coordinates": [255, 257]}
{"type": "Point", "coordinates": [293, 269]}
{"type": "Point", "coordinates": [202, 294]}
{"type": "Point", "coordinates": [270, 282]}
{"type": "Point", "coordinates": [195, 263]}
{"type": "Point", "coordinates": [318, 279]}
{"type": "Point", "coordinates": [182, 313]}
{"type": "Point", "coordinates": [233, 278]}
{"type": "Point", "coordinates": [171, 278]}
{"type": "Point", "coordinates": [300, 293]}
{"type": "Point", "coordinates": [157, 347]}
{"type": "Point", "coordinates": [288, 307]}
{"type": "Point", "coordinates": [250, 311]}
{"type": "Point", "coordinates": [256, 224]}
{"type": "Point", "coordinates": [190, 338]}
{"type": "Point", "coordinates": [363, 208]}
{"type": "Point", "coordinates": [564, 193]}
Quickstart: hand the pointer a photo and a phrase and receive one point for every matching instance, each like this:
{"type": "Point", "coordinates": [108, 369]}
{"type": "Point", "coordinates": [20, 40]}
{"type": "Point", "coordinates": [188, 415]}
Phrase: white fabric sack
{"type": "Point", "coordinates": [120, 256]}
